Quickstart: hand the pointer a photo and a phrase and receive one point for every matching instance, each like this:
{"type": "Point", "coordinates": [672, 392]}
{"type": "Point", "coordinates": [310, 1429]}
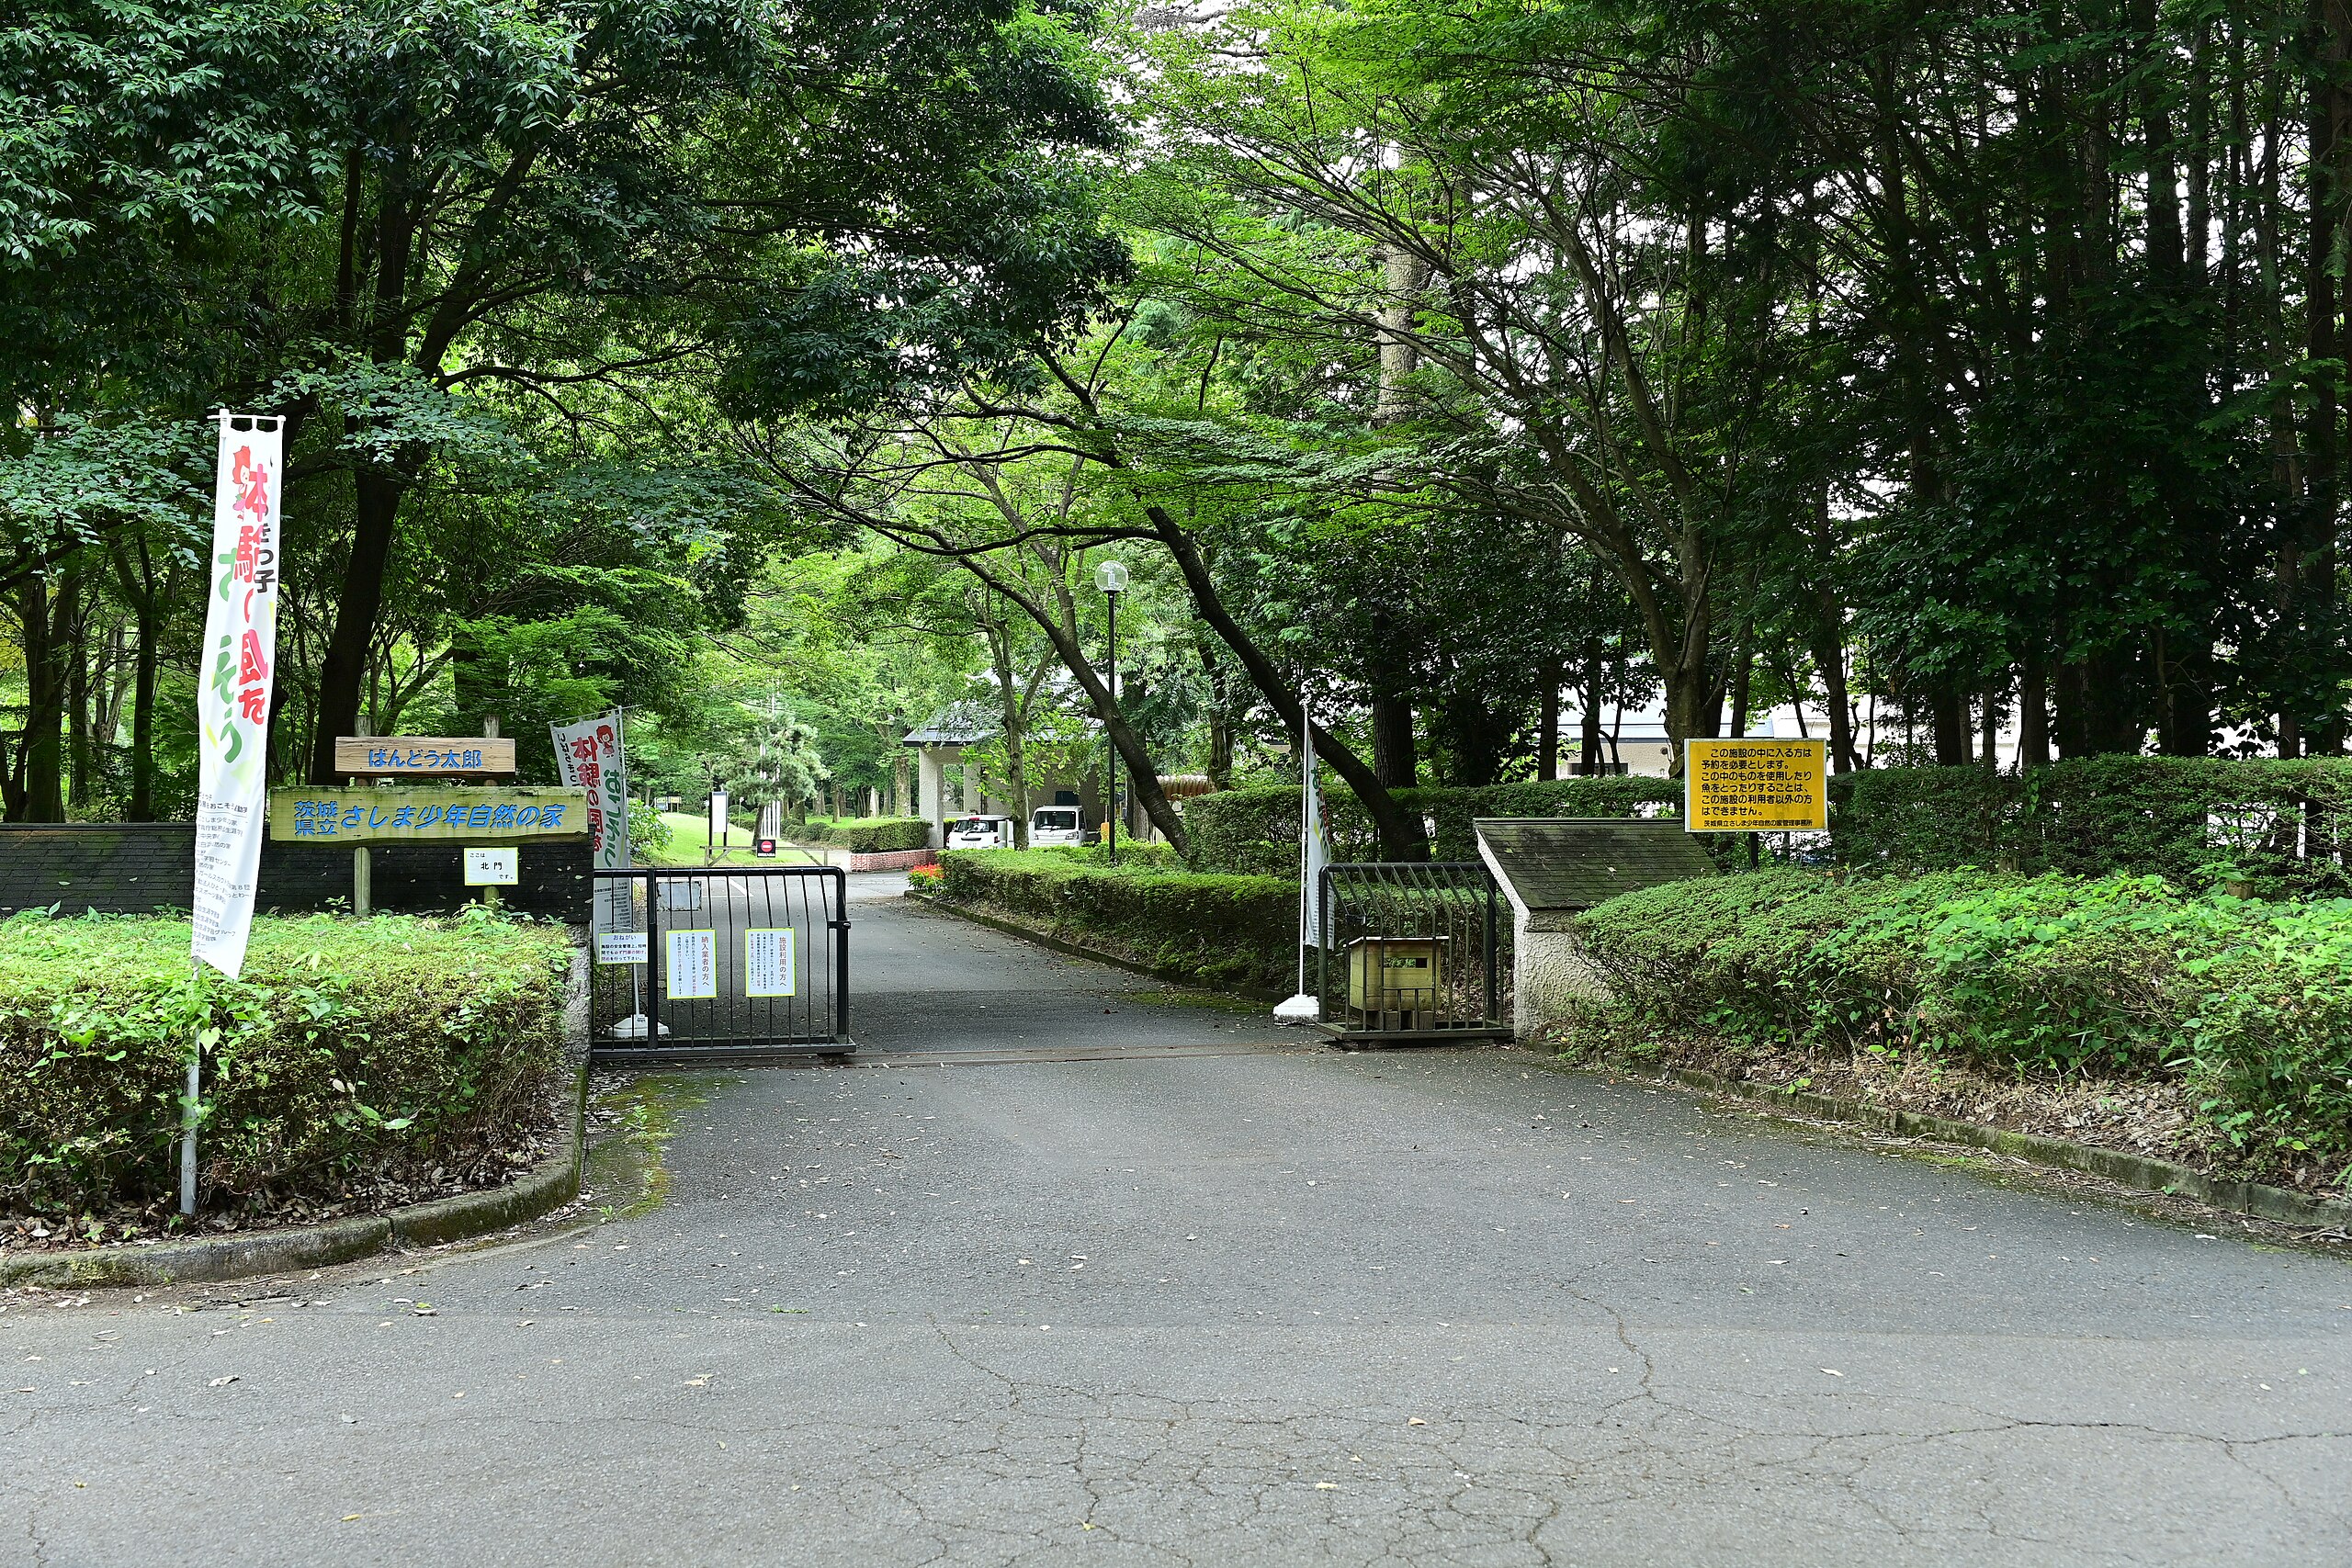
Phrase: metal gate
{"type": "Point", "coordinates": [713, 965]}
{"type": "Point", "coordinates": [1412, 952]}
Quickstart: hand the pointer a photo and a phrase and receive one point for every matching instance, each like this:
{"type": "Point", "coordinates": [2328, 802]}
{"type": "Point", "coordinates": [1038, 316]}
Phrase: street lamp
{"type": "Point", "coordinates": [1112, 578]}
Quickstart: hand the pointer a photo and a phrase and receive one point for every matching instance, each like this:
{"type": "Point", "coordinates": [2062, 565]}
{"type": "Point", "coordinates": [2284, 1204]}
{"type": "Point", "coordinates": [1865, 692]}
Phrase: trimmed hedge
{"type": "Point", "coordinates": [870, 835]}
{"type": "Point", "coordinates": [352, 1056]}
{"type": "Point", "coordinates": [2277, 825]}
{"type": "Point", "coordinates": [2270, 825]}
{"type": "Point", "coordinates": [1236, 931]}
{"type": "Point", "coordinates": [1255, 831]}
{"type": "Point", "coordinates": [2249, 1003]}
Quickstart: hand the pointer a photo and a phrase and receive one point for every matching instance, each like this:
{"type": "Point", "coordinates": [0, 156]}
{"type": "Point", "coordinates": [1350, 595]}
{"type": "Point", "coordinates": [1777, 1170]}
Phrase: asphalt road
{"type": "Point", "coordinates": [1201, 1302]}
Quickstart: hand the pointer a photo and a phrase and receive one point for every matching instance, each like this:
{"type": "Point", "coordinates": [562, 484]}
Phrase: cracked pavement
{"type": "Point", "coordinates": [1278, 1306]}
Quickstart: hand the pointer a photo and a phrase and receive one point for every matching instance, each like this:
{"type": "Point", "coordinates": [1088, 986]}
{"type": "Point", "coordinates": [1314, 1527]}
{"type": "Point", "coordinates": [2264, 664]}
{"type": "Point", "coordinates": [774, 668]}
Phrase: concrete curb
{"type": "Point", "coordinates": [1174, 976]}
{"type": "Point", "coordinates": [549, 1184]}
{"type": "Point", "coordinates": [2136, 1171]}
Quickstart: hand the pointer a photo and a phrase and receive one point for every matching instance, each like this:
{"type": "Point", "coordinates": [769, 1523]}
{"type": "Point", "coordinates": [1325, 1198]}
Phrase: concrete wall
{"type": "Point", "coordinates": [1549, 973]}
{"type": "Point", "coordinates": [135, 868]}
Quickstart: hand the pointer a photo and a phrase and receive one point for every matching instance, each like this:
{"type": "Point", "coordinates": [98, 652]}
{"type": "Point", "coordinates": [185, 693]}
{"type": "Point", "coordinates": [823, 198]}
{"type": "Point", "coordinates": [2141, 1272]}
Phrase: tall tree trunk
{"type": "Point", "coordinates": [73, 647]}
{"type": "Point", "coordinates": [2183, 696]}
{"type": "Point", "coordinates": [1394, 759]}
{"type": "Point", "coordinates": [41, 755]}
{"type": "Point", "coordinates": [1743, 674]}
{"type": "Point", "coordinates": [1948, 705]}
{"type": "Point", "coordinates": [1402, 835]}
{"type": "Point", "coordinates": [2033, 710]}
{"type": "Point", "coordinates": [1588, 737]}
{"type": "Point", "coordinates": [1143, 775]}
{"type": "Point", "coordinates": [1547, 725]}
{"type": "Point", "coordinates": [343, 669]}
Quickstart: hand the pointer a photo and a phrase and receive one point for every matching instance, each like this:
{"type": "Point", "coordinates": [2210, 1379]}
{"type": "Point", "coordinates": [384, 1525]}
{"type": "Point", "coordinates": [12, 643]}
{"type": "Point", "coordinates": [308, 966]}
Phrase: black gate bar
{"type": "Point", "coordinates": [727, 1025]}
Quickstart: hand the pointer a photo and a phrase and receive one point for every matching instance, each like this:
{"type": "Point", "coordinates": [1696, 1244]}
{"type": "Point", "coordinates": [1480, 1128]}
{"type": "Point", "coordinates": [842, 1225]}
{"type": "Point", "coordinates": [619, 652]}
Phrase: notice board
{"type": "Point", "coordinates": [1747, 786]}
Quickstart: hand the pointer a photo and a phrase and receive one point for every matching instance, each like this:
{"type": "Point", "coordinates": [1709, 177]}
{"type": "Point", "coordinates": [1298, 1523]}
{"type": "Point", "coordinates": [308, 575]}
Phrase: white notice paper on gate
{"type": "Point", "coordinates": [694, 965]}
{"type": "Point", "coordinates": [622, 947]}
{"type": "Point", "coordinates": [768, 966]}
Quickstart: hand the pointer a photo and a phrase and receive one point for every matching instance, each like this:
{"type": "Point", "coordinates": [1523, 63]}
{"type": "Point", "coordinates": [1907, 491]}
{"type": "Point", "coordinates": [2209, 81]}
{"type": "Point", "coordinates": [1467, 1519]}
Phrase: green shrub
{"type": "Point", "coordinates": [1226, 931]}
{"type": "Point", "coordinates": [869, 835]}
{"type": "Point", "coordinates": [2251, 1002]}
{"type": "Point", "coordinates": [648, 833]}
{"type": "Point", "coordinates": [2278, 825]}
{"type": "Point", "coordinates": [1255, 831]}
{"type": "Point", "coordinates": [351, 1053]}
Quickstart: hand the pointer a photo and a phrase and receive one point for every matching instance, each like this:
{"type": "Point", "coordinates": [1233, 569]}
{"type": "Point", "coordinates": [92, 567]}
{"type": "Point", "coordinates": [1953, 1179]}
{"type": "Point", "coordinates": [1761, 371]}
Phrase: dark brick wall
{"type": "Point", "coordinates": [136, 868]}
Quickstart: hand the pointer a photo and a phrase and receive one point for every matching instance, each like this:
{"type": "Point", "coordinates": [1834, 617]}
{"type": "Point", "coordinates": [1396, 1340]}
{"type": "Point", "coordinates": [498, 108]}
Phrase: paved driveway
{"type": "Point", "coordinates": [1206, 1303]}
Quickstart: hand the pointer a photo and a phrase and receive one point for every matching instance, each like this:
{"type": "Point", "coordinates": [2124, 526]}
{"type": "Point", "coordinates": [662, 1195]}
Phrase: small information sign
{"type": "Point", "coordinates": [623, 947]}
{"type": "Point", "coordinates": [1746, 786]}
{"type": "Point", "coordinates": [491, 868]}
{"type": "Point", "coordinates": [769, 966]}
{"type": "Point", "coordinates": [694, 965]}
{"type": "Point", "coordinates": [396, 756]}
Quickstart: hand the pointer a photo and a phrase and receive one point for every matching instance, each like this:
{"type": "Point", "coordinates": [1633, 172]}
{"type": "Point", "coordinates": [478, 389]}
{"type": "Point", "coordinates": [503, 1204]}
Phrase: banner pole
{"type": "Point", "coordinates": [188, 1107]}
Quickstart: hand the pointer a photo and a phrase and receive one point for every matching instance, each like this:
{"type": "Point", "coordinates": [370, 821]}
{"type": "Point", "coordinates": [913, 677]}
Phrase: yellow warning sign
{"type": "Point", "coordinates": [1744, 787]}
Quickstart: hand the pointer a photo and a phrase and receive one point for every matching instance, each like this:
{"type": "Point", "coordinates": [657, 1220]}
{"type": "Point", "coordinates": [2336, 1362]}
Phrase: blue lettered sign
{"type": "Point", "coordinates": [306, 814]}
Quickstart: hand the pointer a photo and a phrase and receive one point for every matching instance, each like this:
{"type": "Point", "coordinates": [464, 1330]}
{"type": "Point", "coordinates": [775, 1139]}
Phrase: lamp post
{"type": "Point", "coordinates": [1112, 578]}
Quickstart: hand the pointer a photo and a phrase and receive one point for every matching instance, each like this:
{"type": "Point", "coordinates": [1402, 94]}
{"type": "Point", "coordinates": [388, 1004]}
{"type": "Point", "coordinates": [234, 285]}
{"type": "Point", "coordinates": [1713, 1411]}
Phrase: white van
{"type": "Point", "coordinates": [1054, 824]}
{"type": "Point", "coordinates": [980, 833]}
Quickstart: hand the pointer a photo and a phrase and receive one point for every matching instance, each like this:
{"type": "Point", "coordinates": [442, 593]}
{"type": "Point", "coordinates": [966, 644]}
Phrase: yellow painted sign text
{"type": "Point", "coordinates": [1744, 787]}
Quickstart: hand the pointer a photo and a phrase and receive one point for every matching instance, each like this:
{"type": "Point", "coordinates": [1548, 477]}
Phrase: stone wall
{"type": "Point", "coordinates": [137, 868]}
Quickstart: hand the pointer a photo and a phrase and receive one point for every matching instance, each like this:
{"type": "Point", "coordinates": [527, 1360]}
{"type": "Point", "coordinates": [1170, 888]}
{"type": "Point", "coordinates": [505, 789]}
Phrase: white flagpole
{"type": "Point", "coordinates": [1303, 1007]}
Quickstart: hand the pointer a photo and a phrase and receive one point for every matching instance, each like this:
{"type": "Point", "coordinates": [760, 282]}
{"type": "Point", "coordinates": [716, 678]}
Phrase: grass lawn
{"type": "Point", "coordinates": [690, 845]}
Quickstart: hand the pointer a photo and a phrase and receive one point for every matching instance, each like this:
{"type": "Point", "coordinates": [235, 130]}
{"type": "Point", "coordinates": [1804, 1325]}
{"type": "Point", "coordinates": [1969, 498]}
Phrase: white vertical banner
{"type": "Point", "coordinates": [236, 673]}
{"type": "Point", "coordinates": [590, 755]}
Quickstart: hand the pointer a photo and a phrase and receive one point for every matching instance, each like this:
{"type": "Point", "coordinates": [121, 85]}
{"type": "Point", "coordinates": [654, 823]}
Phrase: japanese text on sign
{"type": "Point", "coordinates": [331, 819]}
{"type": "Point", "coordinates": [491, 868]}
{"type": "Point", "coordinates": [413, 814]}
{"type": "Point", "coordinates": [422, 756]}
{"type": "Point", "coordinates": [236, 670]}
{"type": "Point", "coordinates": [768, 967]}
{"type": "Point", "coordinates": [693, 966]}
{"type": "Point", "coordinates": [1740, 787]}
{"type": "Point", "coordinates": [622, 947]}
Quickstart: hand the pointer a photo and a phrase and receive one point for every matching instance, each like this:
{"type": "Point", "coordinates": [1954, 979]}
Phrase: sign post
{"type": "Point", "coordinates": [1755, 786]}
{"type": "Point", "coordinates": [237, 671]}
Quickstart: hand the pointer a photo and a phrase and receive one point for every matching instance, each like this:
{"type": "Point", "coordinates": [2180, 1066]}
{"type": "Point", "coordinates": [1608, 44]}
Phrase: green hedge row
{"type": "Point", "coordinates": [1233, 931]}
{"type": "Point", "coordinates": [869, 835]}
{"type": "Point", "coordinates": [2250, 1002]}
{"type": "Point", "coordinates": [351, 1053]}
{"type": "Point", "coordinates": [2270, 825]}
{"type": "Point", "coordinates": [2279, 825]}
{"type": "Point", "coordinates": [1255, 831]}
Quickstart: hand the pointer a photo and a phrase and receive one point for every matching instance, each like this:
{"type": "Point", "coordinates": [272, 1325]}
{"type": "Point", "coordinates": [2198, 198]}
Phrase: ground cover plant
{"type": "Point", "coordinates": [1231, 932]}
{"type": "Point", "coordinates": [356, 1063]}
{"type": "Point", "coordinates": [2228, 1019]}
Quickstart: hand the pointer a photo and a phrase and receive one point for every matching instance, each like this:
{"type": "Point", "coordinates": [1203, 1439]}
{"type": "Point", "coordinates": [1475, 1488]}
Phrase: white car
{"type": "Point", "coordinates": [980, 833]}
{"type": "Point", "coordinates": [1050, 826]}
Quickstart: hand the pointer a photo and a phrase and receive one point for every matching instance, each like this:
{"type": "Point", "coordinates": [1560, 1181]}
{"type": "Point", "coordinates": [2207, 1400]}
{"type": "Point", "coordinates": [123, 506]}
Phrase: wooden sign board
{"type": "Point", "coordinates": [1747, 786]}
{"type": "Point", "coordinates": [396, 756]}
{"type": "Point", "coordinates": [417, 814]}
